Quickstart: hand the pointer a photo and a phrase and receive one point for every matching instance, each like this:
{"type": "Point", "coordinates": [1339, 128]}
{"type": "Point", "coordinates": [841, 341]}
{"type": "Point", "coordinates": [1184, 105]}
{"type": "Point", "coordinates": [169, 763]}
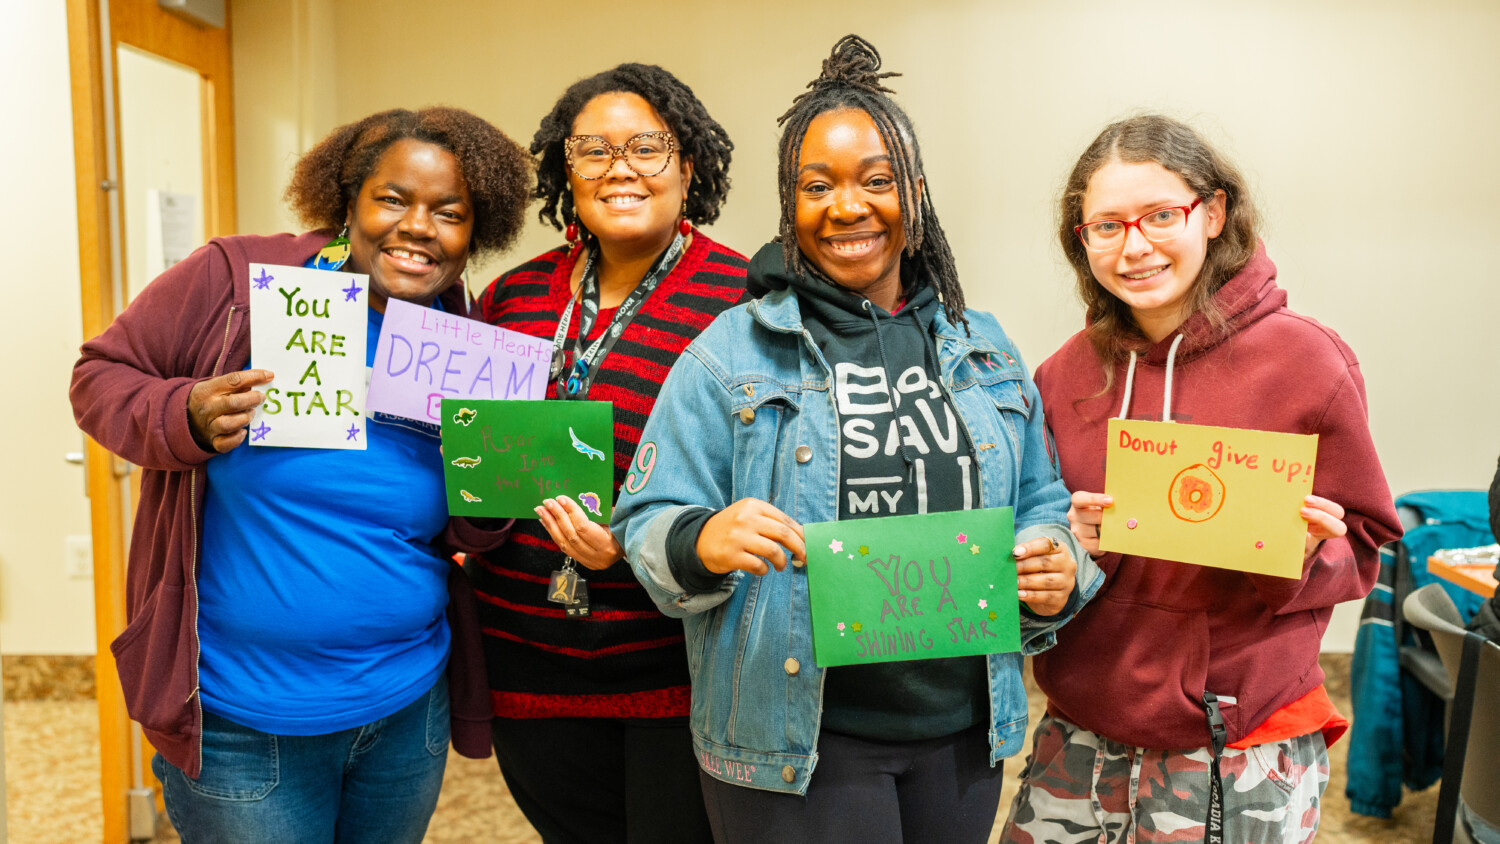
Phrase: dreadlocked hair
{"type": "Point", "coordinates": [851, 78]}
{"type": "Point", "coordinates": [700, 139]}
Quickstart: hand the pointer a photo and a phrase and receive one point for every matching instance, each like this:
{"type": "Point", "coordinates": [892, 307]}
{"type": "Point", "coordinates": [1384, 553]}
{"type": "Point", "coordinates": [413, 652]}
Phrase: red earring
{"type": "Point", "coordinates": [571, 233]}
{"type": "Point", "coordinates": [683, 226]}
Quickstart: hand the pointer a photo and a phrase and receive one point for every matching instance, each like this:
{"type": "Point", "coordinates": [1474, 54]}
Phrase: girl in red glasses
{"type": "Point", "coordinates": [1186, 702]}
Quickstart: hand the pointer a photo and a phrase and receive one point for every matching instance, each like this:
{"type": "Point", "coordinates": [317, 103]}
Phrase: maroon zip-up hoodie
{"type": "Point", "coordinates": [129, 392]}
{"type": "Point", "coordinates": [1133, 665]}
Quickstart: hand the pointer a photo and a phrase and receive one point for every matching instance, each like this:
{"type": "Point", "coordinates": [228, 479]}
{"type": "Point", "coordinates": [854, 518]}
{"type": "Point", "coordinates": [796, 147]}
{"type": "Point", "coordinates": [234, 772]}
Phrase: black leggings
{"type": "Point", "coordinates": [871, 792]}
{"type": "Point", "coordinates": [601, 780]}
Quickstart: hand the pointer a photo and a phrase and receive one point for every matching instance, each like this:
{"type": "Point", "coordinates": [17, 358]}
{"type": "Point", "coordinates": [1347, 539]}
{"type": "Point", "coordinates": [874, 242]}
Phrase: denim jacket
{"type": "Point", "coordinates": [732, 422]}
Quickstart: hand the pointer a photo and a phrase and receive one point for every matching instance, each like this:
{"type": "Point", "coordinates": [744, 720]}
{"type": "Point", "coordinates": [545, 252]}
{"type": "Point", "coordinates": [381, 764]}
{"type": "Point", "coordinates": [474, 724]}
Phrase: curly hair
{"type": "Point", "coordinates": [328, 178]}
{"type": "Point", "coordinates": [851, 79]}
{"type": "Point", "coordinates": [1153, 138]}
{"type": "Point", "coordinates": [699, 137]}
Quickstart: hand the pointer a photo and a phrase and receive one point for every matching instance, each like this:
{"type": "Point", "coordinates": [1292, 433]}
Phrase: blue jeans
{"type": "Point", "coordinates": [376, 783]}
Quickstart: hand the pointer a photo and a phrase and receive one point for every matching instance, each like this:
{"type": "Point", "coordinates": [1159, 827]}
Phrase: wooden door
{"type": "Point", "coordinates": [98, 32]}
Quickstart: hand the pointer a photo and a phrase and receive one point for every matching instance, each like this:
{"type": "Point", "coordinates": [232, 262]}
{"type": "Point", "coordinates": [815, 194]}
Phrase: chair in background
{"type": "Point", "coordinates": [1399, 693]}
{"type": "Point", "coordinates": [1471, 766]}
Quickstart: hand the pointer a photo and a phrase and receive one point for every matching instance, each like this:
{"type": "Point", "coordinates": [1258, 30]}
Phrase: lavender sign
{"type": "Point", "coordinates": [425, 355]}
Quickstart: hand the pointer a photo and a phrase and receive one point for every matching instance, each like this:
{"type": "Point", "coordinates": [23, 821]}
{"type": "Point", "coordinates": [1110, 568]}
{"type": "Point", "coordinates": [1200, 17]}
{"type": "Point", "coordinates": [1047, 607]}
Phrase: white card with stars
{"type": "Point", "coordinates": [308, 327]}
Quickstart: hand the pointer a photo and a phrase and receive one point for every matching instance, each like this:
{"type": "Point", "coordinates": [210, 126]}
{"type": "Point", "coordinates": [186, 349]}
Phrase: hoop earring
{"type": "Point", "coordinates": [683, 226]}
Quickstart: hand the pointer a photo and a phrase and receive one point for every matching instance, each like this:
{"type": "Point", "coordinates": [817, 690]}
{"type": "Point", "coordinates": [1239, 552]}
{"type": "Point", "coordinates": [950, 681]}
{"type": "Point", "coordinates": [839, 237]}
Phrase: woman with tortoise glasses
{"type": "Point", "coordinates": [591, 698]}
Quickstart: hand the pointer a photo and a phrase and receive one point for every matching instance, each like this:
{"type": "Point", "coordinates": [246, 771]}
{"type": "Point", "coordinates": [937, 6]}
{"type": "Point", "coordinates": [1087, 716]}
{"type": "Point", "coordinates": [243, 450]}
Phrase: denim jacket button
{"type": "Point", "coordinates": [793, 666]}
{"type": "Point", "coordinates": [789, 774]}
{"type": "Point", "coordinates": [803, 453]}
{"type": "Point", "coordinates": [747, 415]}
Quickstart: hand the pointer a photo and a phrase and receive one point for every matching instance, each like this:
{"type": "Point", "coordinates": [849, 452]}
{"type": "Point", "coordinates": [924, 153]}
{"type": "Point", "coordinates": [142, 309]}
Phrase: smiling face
{"type": "Point", "coordinates": [410, 226]}
{"type": "Point", "coordinates": [1152, 279]}
{"type": "Point", "coordinates": [623, 209]}
{"type": "Point", "coordinates": [848, 218]}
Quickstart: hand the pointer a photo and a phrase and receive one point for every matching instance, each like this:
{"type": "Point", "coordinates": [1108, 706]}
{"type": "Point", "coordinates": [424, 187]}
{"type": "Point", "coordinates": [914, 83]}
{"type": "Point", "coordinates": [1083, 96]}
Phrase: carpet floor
{"type": "Point", "coordinates": [52, 784]}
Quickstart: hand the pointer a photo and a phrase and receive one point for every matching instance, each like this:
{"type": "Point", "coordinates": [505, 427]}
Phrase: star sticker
{"type": "Point", "coordinates": [962, 538]}
{"type": "Point", "coordinates": [856, 626]}
{"type": "Point", "coordinates": [353, 433]}
{"type": "Point", "coordinates": [864, 550]}
{"type": "Point", "coordinates": [983, 604]}
{"type": "Point", "coordinates": [263, 281]}
{"type": "Point", "coordinates": [836, 546]}
{"type": "Point", "coordinates": [994, 615]}
{"type": "Point", "coordinates": [974, 549]}
{"type": "Point", "coordinates": [352, 291]}
{"type": "Point", "coordinates": [259, 433]}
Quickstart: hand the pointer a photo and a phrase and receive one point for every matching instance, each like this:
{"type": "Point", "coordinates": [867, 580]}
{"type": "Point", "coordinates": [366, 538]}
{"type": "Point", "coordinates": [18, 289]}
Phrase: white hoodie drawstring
{"type": "Point", "coordinates": [1166, 397]}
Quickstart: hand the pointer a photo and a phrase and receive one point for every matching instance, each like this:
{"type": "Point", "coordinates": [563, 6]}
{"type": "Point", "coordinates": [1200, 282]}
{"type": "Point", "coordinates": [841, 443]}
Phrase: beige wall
{"type": "Point", "coordinates": [1366, 128]}
{"type": "Point", "coordinates": [42, 610]}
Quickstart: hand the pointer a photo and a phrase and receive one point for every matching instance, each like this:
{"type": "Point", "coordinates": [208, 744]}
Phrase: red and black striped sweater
{"type": "Point", "coordinates": [625, 659]}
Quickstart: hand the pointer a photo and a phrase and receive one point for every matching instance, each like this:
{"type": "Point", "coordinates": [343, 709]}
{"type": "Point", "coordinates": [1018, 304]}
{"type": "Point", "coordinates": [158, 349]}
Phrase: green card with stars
{"type": "Point", "coordinates": [913, 587]}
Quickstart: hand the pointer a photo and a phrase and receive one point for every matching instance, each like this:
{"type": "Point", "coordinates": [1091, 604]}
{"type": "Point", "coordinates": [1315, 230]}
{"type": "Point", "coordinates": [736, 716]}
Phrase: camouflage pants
{"type": "Point", "coordinates": [1080, 787]}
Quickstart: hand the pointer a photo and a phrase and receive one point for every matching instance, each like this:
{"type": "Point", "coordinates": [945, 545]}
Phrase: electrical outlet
{"type": "Point", "coordinates": [78, 556]}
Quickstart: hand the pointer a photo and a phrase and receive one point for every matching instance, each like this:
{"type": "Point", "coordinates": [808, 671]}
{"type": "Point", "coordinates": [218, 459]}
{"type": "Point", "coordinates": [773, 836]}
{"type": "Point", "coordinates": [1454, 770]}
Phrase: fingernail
{"type": "Point", "coordinates": [537, 510]}
{"type": "Point", "coordinates": [1018, 551]}
{"type": "Point", "coordinates": [1109, 499]}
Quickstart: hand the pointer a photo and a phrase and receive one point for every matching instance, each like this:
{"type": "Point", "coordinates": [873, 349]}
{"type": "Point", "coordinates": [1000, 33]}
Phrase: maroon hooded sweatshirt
{"type": "Point", "coordinates": [1133, 665]}
{"type": "Point", "coordinates": [129, 392]}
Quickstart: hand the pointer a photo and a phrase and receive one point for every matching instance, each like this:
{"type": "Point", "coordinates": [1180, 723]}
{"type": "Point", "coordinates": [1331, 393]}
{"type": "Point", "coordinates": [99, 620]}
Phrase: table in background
{"type": "Point", "coordinates": [1475, 577]}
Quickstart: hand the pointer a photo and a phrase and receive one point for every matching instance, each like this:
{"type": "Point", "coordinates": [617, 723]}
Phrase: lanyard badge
{"type": "Point", "coordinates": [570, 590]}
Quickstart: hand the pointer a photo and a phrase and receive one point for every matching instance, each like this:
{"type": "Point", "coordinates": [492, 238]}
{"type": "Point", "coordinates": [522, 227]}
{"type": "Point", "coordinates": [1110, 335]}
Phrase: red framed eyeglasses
{"type": "Point", "coordinates": [1157, 226]}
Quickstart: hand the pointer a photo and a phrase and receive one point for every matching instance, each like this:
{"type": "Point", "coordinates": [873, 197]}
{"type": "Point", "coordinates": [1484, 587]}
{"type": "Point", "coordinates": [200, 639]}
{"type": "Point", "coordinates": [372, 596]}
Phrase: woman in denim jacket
{"type": "Point", "coordinates": [849, 390]}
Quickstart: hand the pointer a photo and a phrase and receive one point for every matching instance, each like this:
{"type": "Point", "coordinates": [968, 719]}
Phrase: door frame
{"type": "Point", "coordinates": [95, 29]}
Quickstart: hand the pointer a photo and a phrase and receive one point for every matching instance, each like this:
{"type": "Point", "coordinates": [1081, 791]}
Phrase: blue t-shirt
{"type": "Point", "coordinates": [321, 596]}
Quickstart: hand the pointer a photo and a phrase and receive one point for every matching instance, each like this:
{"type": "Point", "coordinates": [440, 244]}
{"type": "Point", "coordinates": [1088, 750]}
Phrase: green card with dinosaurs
{"type": "Point", "coordinates": [503, 458]}
{"type": "Point", "coordinates": [913, 587]}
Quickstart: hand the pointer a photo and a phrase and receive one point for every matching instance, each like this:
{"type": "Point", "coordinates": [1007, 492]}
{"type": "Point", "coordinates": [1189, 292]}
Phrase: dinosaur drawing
{"type": "Point", "coordinates": [584, 448]}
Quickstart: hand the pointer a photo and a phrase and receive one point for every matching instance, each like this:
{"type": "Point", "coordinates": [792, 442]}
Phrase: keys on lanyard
{"type": "Point", "coordinates": [570, 590]}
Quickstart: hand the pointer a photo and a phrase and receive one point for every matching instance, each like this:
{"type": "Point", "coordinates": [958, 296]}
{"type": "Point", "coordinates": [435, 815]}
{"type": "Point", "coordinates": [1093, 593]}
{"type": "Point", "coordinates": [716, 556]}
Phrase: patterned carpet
{"type": "Point", "coordinates": [52, 781]}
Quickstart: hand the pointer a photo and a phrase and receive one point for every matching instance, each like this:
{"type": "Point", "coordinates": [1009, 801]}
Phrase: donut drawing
{"type": "Point", "coordinates": [1196, 494]}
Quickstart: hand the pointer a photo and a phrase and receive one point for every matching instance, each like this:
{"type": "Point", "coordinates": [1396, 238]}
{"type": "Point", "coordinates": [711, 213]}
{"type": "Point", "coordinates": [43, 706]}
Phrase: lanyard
{"type": "Point", "coordinates": [1213, 826]}
{"type": "Point", "coordinates": [586, 361]}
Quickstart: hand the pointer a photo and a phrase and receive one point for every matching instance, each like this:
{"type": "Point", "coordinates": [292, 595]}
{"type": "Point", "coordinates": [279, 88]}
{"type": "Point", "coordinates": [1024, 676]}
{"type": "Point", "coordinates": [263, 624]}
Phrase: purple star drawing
{"type": "Point", "coordinates": [263, 281]}
{"type": "Point", "coordinates": [353, 432]}
{"type": "Point", "coordinates": [353, 291]}
{"type": "Point", "coordinates": [259, 433]}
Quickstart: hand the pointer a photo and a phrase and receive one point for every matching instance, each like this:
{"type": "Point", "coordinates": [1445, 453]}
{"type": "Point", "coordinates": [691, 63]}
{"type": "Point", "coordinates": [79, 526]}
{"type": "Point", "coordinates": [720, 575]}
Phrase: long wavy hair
{"type": "Point", "coordinates": [1153, 138]}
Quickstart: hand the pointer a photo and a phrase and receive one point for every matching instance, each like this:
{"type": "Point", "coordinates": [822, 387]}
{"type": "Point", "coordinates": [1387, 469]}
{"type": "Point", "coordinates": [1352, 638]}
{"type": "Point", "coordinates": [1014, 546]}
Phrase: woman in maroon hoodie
{"type": "Point", "coordinates": [1186, 702]}
{"type": "Point", "coordinates": [288, 652]}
